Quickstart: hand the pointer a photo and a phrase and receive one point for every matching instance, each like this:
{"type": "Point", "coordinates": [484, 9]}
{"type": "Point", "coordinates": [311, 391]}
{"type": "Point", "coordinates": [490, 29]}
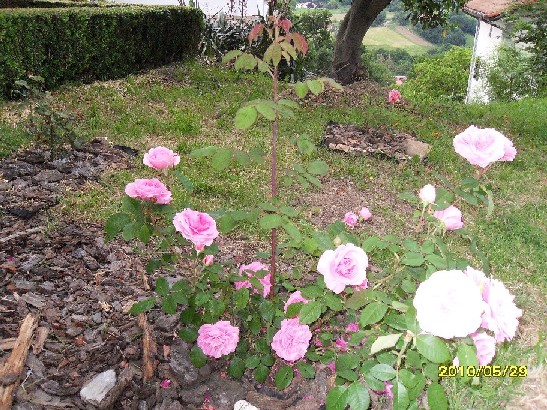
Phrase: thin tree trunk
{"type": "Point", "coordinates": [347, 64]}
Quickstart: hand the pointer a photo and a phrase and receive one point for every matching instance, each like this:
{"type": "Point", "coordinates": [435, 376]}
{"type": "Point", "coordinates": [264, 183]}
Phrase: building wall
{"type": "Point", "coordinates": [488, 38]}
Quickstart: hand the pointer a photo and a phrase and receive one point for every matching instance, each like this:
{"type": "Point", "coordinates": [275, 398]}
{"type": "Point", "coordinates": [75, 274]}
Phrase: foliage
{"type": "Point", "coordinates": [46, 125]}
{"type": "Point", "coordinates": [398, 61]}
{"type": "Point", "coordinates": [528, 25]}
{"type": "Point", "coordinates": [440, 78]}
{"type": "Point", "coordinates": [375, 68]}
{"type": "Point", "coordinates": [511, 75]}
{"type": "Point", "coordinates": [83, 44]}
{"type": "Point", "coordinates": [380, 19]}
{"type": "Point", "coordinates": [441, 35]}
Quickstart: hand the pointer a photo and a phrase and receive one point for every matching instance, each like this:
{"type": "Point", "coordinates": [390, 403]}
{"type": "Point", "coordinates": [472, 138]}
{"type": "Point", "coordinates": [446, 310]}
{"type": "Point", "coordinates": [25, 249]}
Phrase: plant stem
{"type": "Point", "coordinates": [274, 183]}
{"type": "Point", "coordinates": [408, 338]}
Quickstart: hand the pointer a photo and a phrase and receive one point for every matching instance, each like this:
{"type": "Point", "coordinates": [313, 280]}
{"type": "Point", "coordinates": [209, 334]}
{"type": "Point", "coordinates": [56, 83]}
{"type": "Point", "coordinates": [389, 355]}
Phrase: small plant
{"type": "Point", "coordinates": [45, 125]}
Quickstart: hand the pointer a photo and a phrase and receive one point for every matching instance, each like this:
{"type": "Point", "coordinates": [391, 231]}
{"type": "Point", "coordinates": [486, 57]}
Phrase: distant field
{"type": "Point", "coordinates": [387, 37]}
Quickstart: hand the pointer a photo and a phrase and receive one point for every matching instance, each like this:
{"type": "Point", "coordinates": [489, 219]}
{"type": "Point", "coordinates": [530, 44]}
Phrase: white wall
{"type": "Point", "coordinates": [488, 38]}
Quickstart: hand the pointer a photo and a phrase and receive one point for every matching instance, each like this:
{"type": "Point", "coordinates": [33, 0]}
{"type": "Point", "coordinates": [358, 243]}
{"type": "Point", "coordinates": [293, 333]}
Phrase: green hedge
{"type": "Point", "coordinates": [45, 4]}
{"type": "Point", "coordinates": [86, 44]}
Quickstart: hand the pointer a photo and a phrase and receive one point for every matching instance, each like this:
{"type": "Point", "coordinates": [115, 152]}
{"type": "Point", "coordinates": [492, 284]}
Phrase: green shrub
{"type": "Point", "coordinates": [314, 25]}
{"type": "Point", "coordinates": [85, 44]}
{"type": "Point", "coordinates": [442, 78]}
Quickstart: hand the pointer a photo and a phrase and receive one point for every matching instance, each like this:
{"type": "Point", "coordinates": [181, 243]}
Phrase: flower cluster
{"type": "Point", "coordinates": [351, 218]}
{"type": "Point", "coordinates": [458, 303]}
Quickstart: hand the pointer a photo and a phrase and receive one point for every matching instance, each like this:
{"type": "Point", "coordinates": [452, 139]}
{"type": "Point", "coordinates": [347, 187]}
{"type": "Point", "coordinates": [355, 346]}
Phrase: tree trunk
{"type": "Point", "coordinates": [347, 63]}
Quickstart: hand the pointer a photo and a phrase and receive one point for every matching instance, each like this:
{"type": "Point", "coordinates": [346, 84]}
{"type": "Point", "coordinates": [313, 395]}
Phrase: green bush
{"type": "Point", "coordinates": [44, 4]}
{"type": "Point", "coordinates": [86, 44]}
{"type": "Point", "coordinates": [442, 78]}
{"type": "Point", "coordinates": [314, 25]}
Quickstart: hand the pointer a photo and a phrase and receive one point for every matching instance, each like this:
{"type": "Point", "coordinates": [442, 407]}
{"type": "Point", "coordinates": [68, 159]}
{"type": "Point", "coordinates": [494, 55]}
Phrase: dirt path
{"type": "Point", "coordinates": [412, 36]}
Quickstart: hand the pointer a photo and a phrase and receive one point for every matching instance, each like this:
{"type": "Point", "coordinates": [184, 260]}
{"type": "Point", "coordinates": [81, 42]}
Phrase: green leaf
{"type": "Point", "coordinates": [251, 362]}
{"type": "Point", "coordinates": [358, 397]}
{"type": "Point", "coordinates": [168, 305]}
{"type": "Point", "coordinates": [383, 372]}
{"type": "Point", "coordinates": [265, 110]}
{"type": "Point", "coordinates": [144, 234]}
{"type": "Point", "coordinates": [432, 348]}
{"type": "Point", "coordinates": [188, 334]}
{"type": "Point", "coordinates": [270, 221]}
{"type": "Point", "coordinates": [203, 152]}
{"type": "Point", "coordinates": [245, 117]}
{"type": "Point", "coordinates": [132, 206]}
{"type": "Point", "coordinates": [412, 259]}
{"type": "Point", "coordinates": [400, 397]}
{"type": "Point", "coordinates": [301, 89]}
{"type": "Point", "coordinates": [347, 361]}
{"type": "Point", "coordinates": [263, 67]}
{"type": "Point", "coordinates": [337, 398]}
{"type": "Point", "coordinates": [293, 309]}
{"type": "Point", "coordinates": [357, 300]}
{"type": "Point", "coordinates": [289, 103]}
{"type": "Point", "coordinates": [230, 55]}
{"type": "Point", "coordinates": [349, 375]}
{"type": "Point", "coordinates": [333, 302]}
{"type": "Point", "coordinates": [184, 181]}
{"type": "Point", "coordinates": [289, 211]}
{"type": "Point", "coordinates": [226, 223]}
{"type": "Point", "coordinates": [267, 311]}
{"type": "Point", "coordinates": [305, 146]}
{"type": "Point", "coordinates": [315, 86]}
{"type": "Point", "coordinates": [241, 298]}
{"type": "Point", "coordinates": [292, 230]}
{"type": "Point", "coordinates": [310, 312]}
{"type": "Point", "coordinates": [311, 291]}
{"type": "Point", "coordinates": [408, 286]}
{"type": "Point", "coordinates": [261, 373]}
{"type": "Point", "coordinates": [306, 369]}
{"type": "Point", "coordinates": [384, 342]}
{"type": "Point", "coordinates": [283, 377]}
{"type": "Point", "coordinates": [131, 230]}
{"type": "Point", "coordinates": [428, 247]}
{"type": "Point", "coordinates": [318, 167]}
{"type": "Point", "coordinates": [142, 306]}
{"type": "Point", "coordinates": [162, 287]}
{"type": "Point", "coordinates": [115, 225]}
{"type": "Point", "coordinates": [197, 357]}
{"type": "Point", "coordinates": [236, 368]}
{"type": "Point", "coordinates": [436, 260]}
{"type": "Point", "coordinates": [372, 313]}
{"type": "Point", "coordinates": [467, 357]}
{"type": "Point", "coordinates": [221, 159]}
{"type": "Point", "coordinates": [245, 62]}
{"type": "Point", "coordinates": [436, 397]}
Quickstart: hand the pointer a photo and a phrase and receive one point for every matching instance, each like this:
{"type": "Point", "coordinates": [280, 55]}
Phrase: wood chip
{"type": "Point", "coordinates": [149, 348]}
{"type": "Point", "coordinates": [41, 336]}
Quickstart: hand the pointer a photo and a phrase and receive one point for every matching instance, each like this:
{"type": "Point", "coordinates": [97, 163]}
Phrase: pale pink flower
{"type": "Point", "coordinates": [486, 347]}
{"type": "Point", "coordinates": [501, 314]}
{"type": "Point", "coordinates": [362, 286]}
{"type": "Point", "coordinates": [344, 266]}
{"type": "Point", "coordinates": [394, 96]}
{"type": "Point", "coordinates": [218, 339]}
{"type": "Point", "coordinates": [165, 383]}
{"type": "Point", "coordinates": [478, 276]}
{"type": "Point", "coordinates": [198, 227]}
{"type": "Point", "coordinates": [427, 194]}
{"type": "Point", "coordinates": [365, 213]}
{"type": "Point", "coordinates": [160, 158]}
{"type": "Point", "coordinates": [332, 367]}
{"type": "Point", "coordinates": [350, 219]}
{"type": "Point", "coordinates": [291, 342]}
{"type": "Point", "coordinates": [295, 297]}
{"type": "Point", "coordinates": [449, 304]}
{"type": "Point", "coordinates": [341, 344]}
{"type": "Point", "coordinates": [483, 146]}
{"type": "Point", "coordinates": [208, 260]}
{"type": "Point", "coordinates": [451, 217]}
{"type": "Point", "coordinates": [248, 270]}
{"type": "Point", "coordinates": [150, 190]}
{"type": "Point", "coordinates": [352, 327]}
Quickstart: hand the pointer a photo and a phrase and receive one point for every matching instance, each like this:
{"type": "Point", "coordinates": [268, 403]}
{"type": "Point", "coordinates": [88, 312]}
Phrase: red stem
{"type": "Point", "coordinates": [274, 183]}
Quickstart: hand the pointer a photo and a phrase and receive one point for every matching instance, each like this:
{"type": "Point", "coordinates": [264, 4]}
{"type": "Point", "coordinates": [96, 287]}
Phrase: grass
{"type": "Point", "coordinates": [190, 106]}
{"type": "Point", "coordinates": [387, 37]}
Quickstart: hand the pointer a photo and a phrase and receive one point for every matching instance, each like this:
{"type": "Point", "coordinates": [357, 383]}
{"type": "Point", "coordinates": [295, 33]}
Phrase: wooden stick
{"type": "Point", "coordinates": [149, 349]}
{"type": "Point", "coordinates": [14, 365]}
{"type": "Point", "coordinates": [22, 233]}
{"type": "Point", "coordinates": [7, 344]}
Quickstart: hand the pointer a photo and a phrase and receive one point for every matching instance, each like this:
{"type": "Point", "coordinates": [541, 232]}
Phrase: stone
{"type": "Point", "coordinates": [244, 405]}
{"type": "Point", "coordinates": [413, 147]}
{"type": "Point", "coordinates": [49, 175]}
{"type": "Point", "coordinates": [96, 390]}
{"type": "Point", "coordinates": [184, 372]}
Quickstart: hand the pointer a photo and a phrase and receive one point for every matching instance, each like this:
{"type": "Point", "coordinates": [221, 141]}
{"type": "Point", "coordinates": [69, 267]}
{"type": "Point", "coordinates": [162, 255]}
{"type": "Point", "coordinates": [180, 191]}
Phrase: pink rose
{"type": "Point", "coordinates": [160, 158]}
{"type": "Point", "coordinates": [365, 213]}
{"type": "Point", "coordinates": [483, 146]}
{"type": "Point", "coordinates": [208, 260]}
{"type": "Point", "coordinates": [451, 217]}
{"type": "Point", "coordinates": [198, 227]}
{"type": "Point", "coordinates": [501, 314]}
{"type": "Point", "coordinates": [219, 339]}
{"type": "Point", "coordinates": [150, 190]}
{"type": "Point", "coordinates": [292, 340]}
{"type": "Point", "coordinates": [344, 266]}
{"type": "Point", "coordinates": [248, 270]}
{"type": "Point", "coordinates": [427, 194]}
{"type": "Point", "coordinates": [394, 96]}
{"type": "Point", "coordinates": [449, 304]}
{"type": "Point", "coordinates": [486, 347]}
{"type": "Point", "coordinates": [295, 298]}
{"type": "Point", "coordinates": [350, 219]}
{"type": "Point", "coordinates": [362, 286]}
{"type": "Point", "coordinates": [352, 327]}
{"type": "Point", "coordinates": [341, 344]}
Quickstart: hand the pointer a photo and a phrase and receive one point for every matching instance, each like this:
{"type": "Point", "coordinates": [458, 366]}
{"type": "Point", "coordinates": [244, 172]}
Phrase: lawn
{"type": "Point", "coordinates": [389, 38]}
{"type": "Point", "coordinates": [189, 106]}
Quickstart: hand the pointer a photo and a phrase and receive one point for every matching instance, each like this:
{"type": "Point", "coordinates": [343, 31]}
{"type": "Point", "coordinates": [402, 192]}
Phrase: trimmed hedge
{"type": "Point", "coordinates": [45, 4]}
{"type": "Point", "coordinates": [86, 44]}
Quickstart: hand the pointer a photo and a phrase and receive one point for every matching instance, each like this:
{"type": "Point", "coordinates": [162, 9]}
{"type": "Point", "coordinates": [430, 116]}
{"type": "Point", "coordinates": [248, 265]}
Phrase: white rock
{"type": "Point", "coordinates": [96, 389]}
{"type": "Point", "coordinates": [244, 405]}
